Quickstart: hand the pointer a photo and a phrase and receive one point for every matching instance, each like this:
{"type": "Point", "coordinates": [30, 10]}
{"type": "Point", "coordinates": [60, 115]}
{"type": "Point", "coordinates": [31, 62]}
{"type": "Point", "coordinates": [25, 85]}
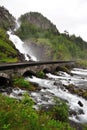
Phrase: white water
{"type": "Point", "coordinates": [19, 44]}
{"type": "Point", "coordinates": [78, 71]}
{"type": "Point", "coordinates": [49, 90]}
{"type": "Point", "coordinates": [78, 79]}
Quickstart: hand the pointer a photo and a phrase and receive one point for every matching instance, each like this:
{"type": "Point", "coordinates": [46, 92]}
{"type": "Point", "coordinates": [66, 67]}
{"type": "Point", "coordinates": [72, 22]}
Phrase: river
{"type": "Point", "coordinates": [53, 86]}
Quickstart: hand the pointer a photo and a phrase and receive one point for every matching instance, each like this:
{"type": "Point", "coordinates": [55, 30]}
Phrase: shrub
{"type": "Point", "coordinates": [40, 74]}
{"type": "Point", "coordinates": [60, 111]}
{"type": "Point", "coordinates": [19, 115]}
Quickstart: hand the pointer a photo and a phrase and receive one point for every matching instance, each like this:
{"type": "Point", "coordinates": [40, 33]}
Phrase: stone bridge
{"type": "Point", "coordinates": [7, 71]}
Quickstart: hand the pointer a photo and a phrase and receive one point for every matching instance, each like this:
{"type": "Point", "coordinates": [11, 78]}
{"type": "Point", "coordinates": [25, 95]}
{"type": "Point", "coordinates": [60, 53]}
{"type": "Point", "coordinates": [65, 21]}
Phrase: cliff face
{"type": "Point", "coordinates": [39, 21]}
{"type": "Point", "coordinates": [7, 21]}
{"type": "Point", "coordinates": [46, 42]}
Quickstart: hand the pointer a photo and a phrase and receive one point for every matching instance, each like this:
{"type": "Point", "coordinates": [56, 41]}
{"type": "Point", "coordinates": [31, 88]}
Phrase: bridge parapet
{"type": "Point", "coordinates": [18, 69]}
{"type": "Point", "coordinates": [4, 75]}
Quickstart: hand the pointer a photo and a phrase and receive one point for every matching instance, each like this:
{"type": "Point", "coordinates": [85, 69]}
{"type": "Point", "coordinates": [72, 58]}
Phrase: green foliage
{"type": "Point", "coordinates": [22, 83]}
{"type": "Point", "coordinates": [6, 127]}
{"type": "Point", "coordinates": [85, 127]}
{"type": "Point", "coordinates": [27, 30]}
{"type": "Point", "coordinates": [82, 62]}
{"type": "Point", "coordinates": [63, 68]}
{"type": "Point", "coordinates": [61, 47]}
{"type": "Point", "coordinates": [40, 74]}
{"type": "Point", "coordinates": [7, 51]}
{"type": "Point", "coordinates": [19, 115]}
{"type": "Point", "coordinates": [60, 111]}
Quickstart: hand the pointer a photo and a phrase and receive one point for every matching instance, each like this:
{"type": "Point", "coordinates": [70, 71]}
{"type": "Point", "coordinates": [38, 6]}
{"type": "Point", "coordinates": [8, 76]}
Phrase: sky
{"type": "Point", "coordinates": [69, 15]}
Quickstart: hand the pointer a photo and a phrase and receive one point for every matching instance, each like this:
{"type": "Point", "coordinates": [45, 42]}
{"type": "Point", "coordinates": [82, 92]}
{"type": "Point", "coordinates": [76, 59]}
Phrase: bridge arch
{"type": "Point", "coordinates": [4, 79]}
{"type": "Point", "coordinates": [46, 70]}
{"type": "Point", "coordinates": [4, 75]}
{"type": "Point", "coordinates": [28, 73]}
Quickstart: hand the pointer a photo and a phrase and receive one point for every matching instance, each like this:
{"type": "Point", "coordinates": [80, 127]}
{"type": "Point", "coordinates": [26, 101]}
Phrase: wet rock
{"type": "Point", "coordinates": [20, 94]}
{"type": "Point", "coordinates": [80, 111]}
{"type": "Point", "coordinates": [7, 90]}
{"type": "Point", "coordinates": [45, 107]}
{"type": "Point", "coordinates": [16, 89]}
{"type": "Point", "coordinates": [76, 125]}
{"type": "Point", "coordinates": [72, 112]}
{"type": "Point", "coordinates": [57, 83]}
{"type": "Point", "coordinates": [80, 103]}
{"type": "Point", "coordinates": [76, 113]}
{"type": "Point", "coordinates": [36, 86]}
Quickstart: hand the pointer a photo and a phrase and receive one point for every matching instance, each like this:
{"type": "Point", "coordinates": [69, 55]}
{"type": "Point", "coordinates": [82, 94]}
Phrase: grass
{"type": "Point", "coordinates": [23, 84]}
{"type": "Point", "coordinates": [8, 53]}
{"type": "Point", "coordinates": [82, 63]}
{"type": "Point", "coordinates": [19, 115]}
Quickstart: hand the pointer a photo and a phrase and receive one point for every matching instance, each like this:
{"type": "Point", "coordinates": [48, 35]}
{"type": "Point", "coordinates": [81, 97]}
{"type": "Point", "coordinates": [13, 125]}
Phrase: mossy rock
{"type": "Point", "coordinates": [64, 69]}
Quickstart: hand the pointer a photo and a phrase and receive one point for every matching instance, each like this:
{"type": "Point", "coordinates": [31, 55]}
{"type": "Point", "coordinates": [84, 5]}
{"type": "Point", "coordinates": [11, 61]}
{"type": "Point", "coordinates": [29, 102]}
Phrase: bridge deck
{"type": "Point", "coordinates": [7, 66]}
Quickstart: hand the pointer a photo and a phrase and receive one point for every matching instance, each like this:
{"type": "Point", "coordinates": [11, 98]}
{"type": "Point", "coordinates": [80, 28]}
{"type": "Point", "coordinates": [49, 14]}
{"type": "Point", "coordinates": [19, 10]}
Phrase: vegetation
{"type": "Point", "coordinates": [23, 84]}
{"type": "Point", "coordinates": [62, 46]}
{"type": "Point", "coordinates": [82, 63]}
{"type": "Point", "coordinates": [40, 74]}
{"type": "Point", "coordinates": [59, 111]}
{"type": "Point", "coordinates": [19, 115]}
{"type": "Point", "coordinates": [8, 53]}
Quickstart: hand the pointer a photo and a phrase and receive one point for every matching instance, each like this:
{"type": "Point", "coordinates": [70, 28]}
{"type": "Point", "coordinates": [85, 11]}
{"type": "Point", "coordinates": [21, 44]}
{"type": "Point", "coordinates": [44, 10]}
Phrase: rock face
{"type": "Point", "coordinates": [42, 51]}
{"type": "Point", "coordinates": [7, 21]}
{"type": "Point", "coordinates": [39, 21]}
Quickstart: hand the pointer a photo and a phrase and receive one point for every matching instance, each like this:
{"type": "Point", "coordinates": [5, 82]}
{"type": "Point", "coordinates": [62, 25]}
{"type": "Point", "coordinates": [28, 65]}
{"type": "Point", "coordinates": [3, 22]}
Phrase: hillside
{"type": "Point", "coordinates": [47, 43]}
{"type": "Point", "coordinates": [41, 36]}
{"type": "Point", "coordinates": [7, 21]}
{"type": "Point", "coordinates": [8, 52]}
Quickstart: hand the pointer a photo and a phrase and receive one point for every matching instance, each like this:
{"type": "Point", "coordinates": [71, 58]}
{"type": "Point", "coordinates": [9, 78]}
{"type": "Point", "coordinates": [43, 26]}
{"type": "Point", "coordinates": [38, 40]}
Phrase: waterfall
{"type": "Point", "coordinates": [19, 44]}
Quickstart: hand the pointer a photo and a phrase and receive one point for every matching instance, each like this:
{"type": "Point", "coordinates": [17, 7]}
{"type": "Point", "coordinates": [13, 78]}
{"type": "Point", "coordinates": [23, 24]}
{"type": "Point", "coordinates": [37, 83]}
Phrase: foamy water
{"type": "Point", "coordinates": [49, 89]}
{"type": "Point", "coordinates": [19, 44]}
{"type": "Point", "coordinates": [65, 95]}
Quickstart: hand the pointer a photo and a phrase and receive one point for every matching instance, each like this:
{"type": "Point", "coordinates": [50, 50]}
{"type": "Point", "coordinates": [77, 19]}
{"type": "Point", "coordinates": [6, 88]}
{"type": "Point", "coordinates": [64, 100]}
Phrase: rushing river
{"type": "Point", "coordinates": [54, 86]}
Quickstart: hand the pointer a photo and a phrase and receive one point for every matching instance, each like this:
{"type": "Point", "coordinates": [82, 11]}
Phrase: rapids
{"type": "Point", "coordinates": [53, 86]}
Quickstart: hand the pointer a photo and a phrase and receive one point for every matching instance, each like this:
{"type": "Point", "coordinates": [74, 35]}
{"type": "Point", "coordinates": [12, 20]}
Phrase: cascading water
{"type": "Point", "coordinates": [19, 44]}
{"type": "Point", "coordinates": [49, 89]}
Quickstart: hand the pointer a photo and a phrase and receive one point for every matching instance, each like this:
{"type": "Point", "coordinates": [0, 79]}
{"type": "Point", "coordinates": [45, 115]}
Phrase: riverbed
{"type": "Point", "coordinates": [53, 86]}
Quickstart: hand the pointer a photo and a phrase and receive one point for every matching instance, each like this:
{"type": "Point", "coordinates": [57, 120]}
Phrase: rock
{"type": "Point", "coordinates": [80, 103]}
{"type": "Point", "coordinates": [76, 125]}
{"type": "Point", "coordinates": [7, 21]}
{"type": "Point", "coordinates": [72, 112]}
{"type": "Point", "coordinates": [80, 111]}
